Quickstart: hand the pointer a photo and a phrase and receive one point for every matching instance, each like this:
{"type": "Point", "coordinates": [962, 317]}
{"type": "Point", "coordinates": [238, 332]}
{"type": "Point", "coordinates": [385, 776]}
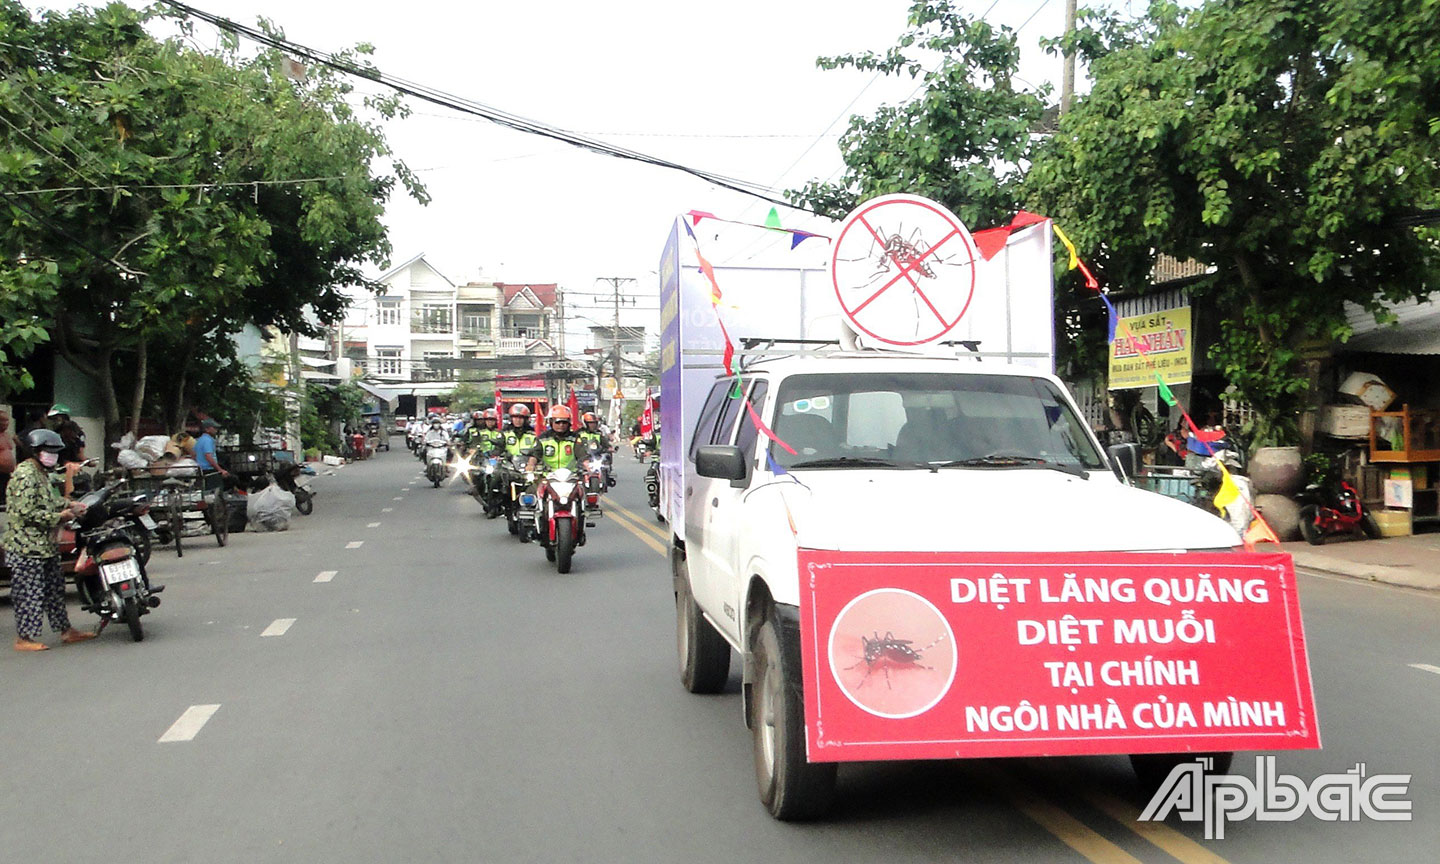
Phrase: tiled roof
{"type": "Point", "coordinates": [545, 293]}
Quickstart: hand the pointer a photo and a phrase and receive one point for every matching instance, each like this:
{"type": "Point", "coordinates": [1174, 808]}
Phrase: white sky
{"type": "Point", "coordinates": [730, 87]}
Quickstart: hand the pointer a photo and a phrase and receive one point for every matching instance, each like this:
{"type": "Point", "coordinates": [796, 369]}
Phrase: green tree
{"type": "Point", "coordinates": [963, 138]}
{"type": "Point", "coordinates": [180, 194]}
{"type": "Point", "coordinates": [1279, 142]}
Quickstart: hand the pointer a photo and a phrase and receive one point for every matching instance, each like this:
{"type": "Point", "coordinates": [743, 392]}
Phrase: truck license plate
{"type": "Point", "coordinates": [120, 571]}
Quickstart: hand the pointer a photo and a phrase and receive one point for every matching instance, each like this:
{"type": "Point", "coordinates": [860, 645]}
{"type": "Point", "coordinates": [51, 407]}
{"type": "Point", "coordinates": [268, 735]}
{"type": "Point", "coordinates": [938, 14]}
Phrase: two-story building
{"type": "Point", "coordinates": [424, 331]}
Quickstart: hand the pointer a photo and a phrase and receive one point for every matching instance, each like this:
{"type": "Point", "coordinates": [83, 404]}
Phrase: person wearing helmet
{"type": "Point", "coordinates": [486, 435]}
{"type": "Point", "coordinates": [558, 446]}
{"type": "Point", "coordinates": [519, 437]}
{"type": "Point", "coordinates": [37, 587]}
{"type": "Point", "coordinates": [437, 435]}
{"type": "Point", "coordinates": [591, 438]}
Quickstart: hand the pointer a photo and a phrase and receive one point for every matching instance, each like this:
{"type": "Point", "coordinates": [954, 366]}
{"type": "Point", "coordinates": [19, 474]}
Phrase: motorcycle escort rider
{"type": "Point", "coordinates": [558, 446]}
{"type": "Point", "coordinates": [594, 443]}
{"type": "Point", "coordinates": [486, 439]}
{"type": "Point", "coordinates": [519, 437]}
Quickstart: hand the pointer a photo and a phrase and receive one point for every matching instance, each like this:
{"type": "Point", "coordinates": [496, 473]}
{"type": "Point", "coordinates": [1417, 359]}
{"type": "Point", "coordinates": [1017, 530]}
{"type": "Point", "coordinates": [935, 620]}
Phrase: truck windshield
{"type": "Point", "coordinates": [927, 419]}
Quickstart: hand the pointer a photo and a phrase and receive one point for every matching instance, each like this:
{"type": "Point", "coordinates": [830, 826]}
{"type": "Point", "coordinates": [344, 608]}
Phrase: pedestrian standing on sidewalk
{"type": "Point", "coordinates": [37, 587]}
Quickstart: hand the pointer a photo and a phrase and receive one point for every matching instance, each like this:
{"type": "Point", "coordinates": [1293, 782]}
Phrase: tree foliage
{"type": "Point", "coordinates": [1276, 142]}
{"type": "Point", "coordinates": [178, 193]}
{"type": "Point", "coordinates": [963, 138]}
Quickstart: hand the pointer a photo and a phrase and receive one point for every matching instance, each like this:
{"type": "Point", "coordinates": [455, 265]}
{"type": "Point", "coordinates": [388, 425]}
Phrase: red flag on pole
{"type": "Point", "coordinates": [647, 416]}
{"type": "Point", "coordinates": [574, 409]}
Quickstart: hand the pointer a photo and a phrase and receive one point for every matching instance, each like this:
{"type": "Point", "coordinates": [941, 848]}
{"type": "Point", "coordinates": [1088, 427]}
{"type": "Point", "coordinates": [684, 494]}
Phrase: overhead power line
{"type": "Point", "coordinates": [444, 99]}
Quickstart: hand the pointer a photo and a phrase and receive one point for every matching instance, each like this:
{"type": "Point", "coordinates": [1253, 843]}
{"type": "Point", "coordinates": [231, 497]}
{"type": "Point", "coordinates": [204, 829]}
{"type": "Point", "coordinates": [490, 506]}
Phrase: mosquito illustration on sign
{"type": "Point", "coordinates": [904, 269]}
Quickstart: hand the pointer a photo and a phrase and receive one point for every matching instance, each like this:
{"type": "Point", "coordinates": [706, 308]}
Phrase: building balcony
{"type": "Point", "coordinates": [437, 328]}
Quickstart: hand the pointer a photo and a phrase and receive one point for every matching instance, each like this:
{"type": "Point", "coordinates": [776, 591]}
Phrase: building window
{"type": "Point", "coordinates": [475, 325]}
{"type": "Point", "coordinates": [431, 319]}
{"type": "Point", "coordinates": [388, 311]}
{"type": "Point", "coordinates": [442, 372]}
{"type": "Point", "coordinates": [387, 361]}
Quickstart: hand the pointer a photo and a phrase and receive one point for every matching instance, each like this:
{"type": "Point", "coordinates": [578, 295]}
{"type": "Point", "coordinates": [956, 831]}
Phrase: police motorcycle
{"type": "Point", "coordinates": [563, 503]}
{"type": "Point", "coordinates": [652, 479]}
{"type": "Point", "coordinates": [437, 454]}
{"type": "Point", "coordinates": [596, 463]}
{"type": "Point", "coordinates": [108, 563]}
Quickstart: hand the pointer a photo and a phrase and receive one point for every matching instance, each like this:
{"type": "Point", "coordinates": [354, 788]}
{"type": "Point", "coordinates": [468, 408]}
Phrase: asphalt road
{"type": "Point", "coordinates": [446, 696]}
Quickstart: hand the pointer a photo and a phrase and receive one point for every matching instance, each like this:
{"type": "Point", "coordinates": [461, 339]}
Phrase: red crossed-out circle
{"type": "Point", "coordinates": [868, 233]}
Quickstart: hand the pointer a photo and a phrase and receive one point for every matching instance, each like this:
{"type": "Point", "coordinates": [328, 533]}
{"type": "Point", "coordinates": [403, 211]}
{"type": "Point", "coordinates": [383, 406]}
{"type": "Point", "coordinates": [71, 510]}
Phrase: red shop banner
{"type": "Point", "coordinates": [943, 655]}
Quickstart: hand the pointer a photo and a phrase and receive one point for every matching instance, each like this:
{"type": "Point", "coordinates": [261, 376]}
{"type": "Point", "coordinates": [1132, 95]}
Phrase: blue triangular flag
{"type": "Point", "coordinates": [688, 229]}
{"type": "Point", "coordinates": [774, 466]}
{"type": "Point", "coordinates": [1110, 312]}
{"type": "Point", "coordinates": [798, 237]}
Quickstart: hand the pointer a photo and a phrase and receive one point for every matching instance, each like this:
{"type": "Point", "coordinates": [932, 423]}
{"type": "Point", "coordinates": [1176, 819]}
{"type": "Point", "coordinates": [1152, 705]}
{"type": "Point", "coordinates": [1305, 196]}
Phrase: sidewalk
{"type": "Point", "coordinates": [1413, 562]}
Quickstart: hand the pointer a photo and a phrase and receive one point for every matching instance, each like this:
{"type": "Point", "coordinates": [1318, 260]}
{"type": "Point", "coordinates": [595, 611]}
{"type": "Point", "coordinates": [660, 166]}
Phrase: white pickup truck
{"type": "Point", "coordinates": [892, 453]}
{"type": "Point", "coordinates": [939, 561]}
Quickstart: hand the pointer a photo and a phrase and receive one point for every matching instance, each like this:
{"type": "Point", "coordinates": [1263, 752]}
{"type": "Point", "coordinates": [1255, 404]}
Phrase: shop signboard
{"type": "Point", "coordinates": [946, 655]}
{"type": "Point", "coordinates": [1150, 343]}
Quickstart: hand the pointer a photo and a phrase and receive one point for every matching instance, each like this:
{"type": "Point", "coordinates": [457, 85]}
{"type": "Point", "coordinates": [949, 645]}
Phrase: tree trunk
{"type": "Point", "coordinates": [137, 401]}
{"type": "Point", "coordinates": [106, 380]}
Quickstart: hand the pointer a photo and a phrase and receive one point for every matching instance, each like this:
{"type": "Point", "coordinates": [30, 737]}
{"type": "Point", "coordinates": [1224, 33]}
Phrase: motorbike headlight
{"type": "Point", "coordinates": [489, 468]}
{"type": "Point", "coordinates": [529, 476]}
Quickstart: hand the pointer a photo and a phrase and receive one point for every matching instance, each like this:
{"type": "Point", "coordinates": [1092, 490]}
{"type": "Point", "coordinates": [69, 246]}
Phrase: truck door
{"type": "Point", "coordinates": [710, 499]}
{"type": "Point", "coordinates": [695, 485]}
{"type": "Point", "coordinates": [726, 580]}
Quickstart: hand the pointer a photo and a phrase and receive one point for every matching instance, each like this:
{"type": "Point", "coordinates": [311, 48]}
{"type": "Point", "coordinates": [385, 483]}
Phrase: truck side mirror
{"type": "Point", "coordinates": [721, 461]}
{"type": "Point", "coordinates": [1124, 460]}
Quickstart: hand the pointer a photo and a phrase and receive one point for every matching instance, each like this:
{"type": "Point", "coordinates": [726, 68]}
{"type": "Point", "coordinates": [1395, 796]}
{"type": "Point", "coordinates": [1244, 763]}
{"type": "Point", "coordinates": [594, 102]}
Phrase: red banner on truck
{"type": "Point", "coordinates": [944, 655]}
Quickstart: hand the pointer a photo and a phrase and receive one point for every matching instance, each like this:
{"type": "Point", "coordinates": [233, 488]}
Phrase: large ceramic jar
{"type": "Point", "coordinates": [1277, 471]}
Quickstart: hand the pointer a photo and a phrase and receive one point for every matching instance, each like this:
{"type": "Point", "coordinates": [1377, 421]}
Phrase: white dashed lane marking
{"type": "Point", "coordinates": [387, 509]}
{"type": "Point", "coordinates": [278, 627]}
{"type": "Point", "coordinates": [326, 575]}
{"type": "Point", "coordinates": [1425, 667]}
{"type": "Point", "coordinates": [354, 544]}
{"type": "Point", "coordinates": [398, 498]}
{"type": "Point", "coordinates": [189, 724]}
{"type": "Point", "coordinates": [373, 525]}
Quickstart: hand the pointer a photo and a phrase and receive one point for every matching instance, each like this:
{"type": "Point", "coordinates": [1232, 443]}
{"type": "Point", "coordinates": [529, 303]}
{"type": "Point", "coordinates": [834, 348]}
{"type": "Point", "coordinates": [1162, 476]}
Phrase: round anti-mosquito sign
{"type": "Point", "coordinates": [903, 269]}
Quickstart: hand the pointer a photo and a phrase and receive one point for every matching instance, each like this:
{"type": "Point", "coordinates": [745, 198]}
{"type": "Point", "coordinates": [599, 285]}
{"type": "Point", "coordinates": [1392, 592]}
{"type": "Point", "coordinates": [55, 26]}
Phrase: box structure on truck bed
{"type": "Point", "coordinates": [798, 308]}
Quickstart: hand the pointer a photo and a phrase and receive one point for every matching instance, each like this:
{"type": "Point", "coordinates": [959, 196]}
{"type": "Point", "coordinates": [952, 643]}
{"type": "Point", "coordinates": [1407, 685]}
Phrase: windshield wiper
{"type": "Point", "coordinates": [856, 462]}
{"type": "Point", "coordinates": [996, 460]}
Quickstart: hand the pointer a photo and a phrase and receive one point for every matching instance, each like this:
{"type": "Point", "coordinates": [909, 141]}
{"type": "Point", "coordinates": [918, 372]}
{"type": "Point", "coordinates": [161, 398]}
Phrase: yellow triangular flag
{"type": "Point", "coordinates": [1069, 247]}
{"type": "Point", "coordinates": [1229, 491]}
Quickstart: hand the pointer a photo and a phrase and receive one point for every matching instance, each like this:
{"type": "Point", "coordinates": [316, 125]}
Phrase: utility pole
{"type": "Point", "coordinates": [1067, 82]}
{"type": "Point", "coordinates": [615, 282]}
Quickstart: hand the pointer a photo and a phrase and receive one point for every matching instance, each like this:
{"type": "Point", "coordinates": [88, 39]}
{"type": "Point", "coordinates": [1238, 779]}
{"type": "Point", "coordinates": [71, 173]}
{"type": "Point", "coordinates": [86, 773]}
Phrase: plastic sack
{"type": "Point", "coordinates": [126, 442]}
{"type": "Point", "coordinates": [270, 509]}
{"type": "Point", "coordinates": [128, 458]}
{"type": "Point", "coordinates": [152, 447]}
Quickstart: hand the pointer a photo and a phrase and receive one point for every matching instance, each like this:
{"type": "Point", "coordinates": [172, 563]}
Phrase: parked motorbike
{"type": "Point", "coordinates": [560, 517]}
{"type": "Point", "coordinates": [1328, 509]}
{"type": "Point", "coordinates": [437, 456]}
{"type": "Point", "coordinates": [287, 477]}
{"type": "Point", "coordinates": [109, 571]}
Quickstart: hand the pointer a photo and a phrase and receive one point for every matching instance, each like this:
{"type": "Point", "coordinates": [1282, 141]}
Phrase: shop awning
{"type": "Point", "coordinates": [1415, 331]}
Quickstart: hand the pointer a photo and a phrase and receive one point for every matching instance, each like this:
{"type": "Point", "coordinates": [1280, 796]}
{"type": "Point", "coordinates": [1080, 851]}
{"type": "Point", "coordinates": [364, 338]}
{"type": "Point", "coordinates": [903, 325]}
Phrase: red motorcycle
{"type": "Point", "coordinates": [1329, 509]}
{"type": "Point", "coordinates": [560, 516]}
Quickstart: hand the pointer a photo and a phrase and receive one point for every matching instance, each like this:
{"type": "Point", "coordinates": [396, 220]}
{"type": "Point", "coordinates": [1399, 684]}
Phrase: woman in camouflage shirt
{"type": "Point", "coordinates": [37, 587]}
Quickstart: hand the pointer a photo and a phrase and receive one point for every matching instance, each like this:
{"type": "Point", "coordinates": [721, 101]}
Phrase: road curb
{"type": "Point", "coordinates": [1401, 576]}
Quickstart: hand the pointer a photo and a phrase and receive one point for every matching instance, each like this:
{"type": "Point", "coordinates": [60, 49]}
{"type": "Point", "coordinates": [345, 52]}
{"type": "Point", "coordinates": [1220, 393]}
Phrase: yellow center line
{"type": "Point", "coordinates": [1174, 844]}
{"type": "Point", "coordinates": [640, 520]}
{"type": "Point", "coordinates": [638, 530]}
{"type": "Point", "coordinates": [1066, 828]}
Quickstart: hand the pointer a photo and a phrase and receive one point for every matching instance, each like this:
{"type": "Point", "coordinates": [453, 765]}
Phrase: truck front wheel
{"type": "Point", "coordinates": [704, 653]}
{"type": "Point", "coordinates": [790, 787]}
